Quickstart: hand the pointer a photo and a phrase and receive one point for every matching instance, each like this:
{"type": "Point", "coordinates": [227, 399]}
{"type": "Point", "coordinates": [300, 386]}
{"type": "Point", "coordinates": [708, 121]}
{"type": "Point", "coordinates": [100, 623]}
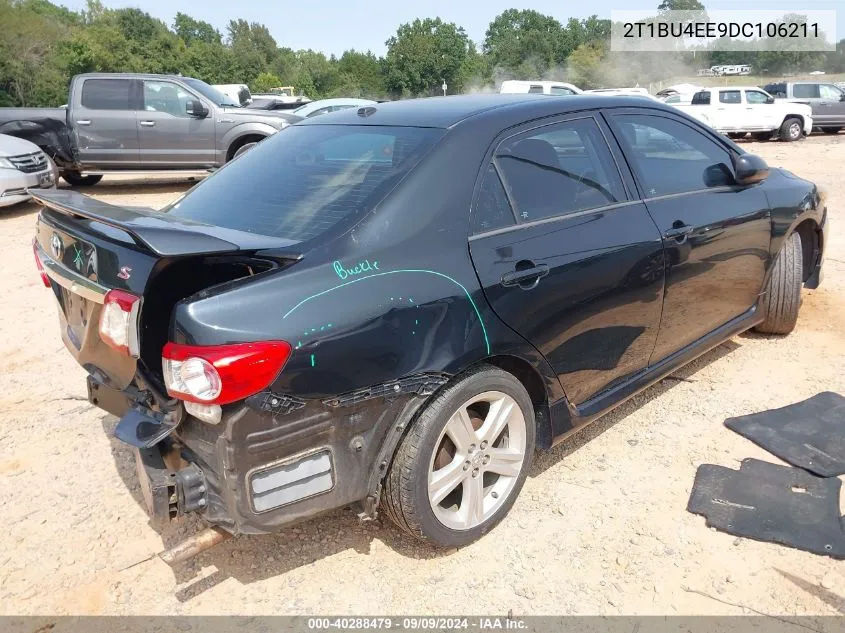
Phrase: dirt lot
{"type": "Point", "coordinates": [600, 528]}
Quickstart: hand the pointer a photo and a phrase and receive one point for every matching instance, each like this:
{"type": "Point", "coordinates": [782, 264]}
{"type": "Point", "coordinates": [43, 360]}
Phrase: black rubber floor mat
{"type": "Point", "coordinates": [767, 502]}
{"type": "Point", "coordinates": [808, 434]}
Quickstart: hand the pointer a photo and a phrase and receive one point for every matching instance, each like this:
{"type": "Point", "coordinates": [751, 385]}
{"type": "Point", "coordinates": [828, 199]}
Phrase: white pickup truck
{"type": "Point", "coordinates": [737, 110]}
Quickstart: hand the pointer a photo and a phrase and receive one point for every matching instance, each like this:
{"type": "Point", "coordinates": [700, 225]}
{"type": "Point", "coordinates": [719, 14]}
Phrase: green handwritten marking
{"type": "Point", "coordinates": [393, 272]}
{"type": "Point", "coordinates": [298, 344]}
{"type": "Point", "coordinates": [322, 327]}
{"type": "Point", "coordinates": [410, 299]}
{"type": "Point", "coordinates": [312, 360]}
{"type": "Point", "coordinates": [412, 332]}
{"type": "Point", "coordinates": [416, 322]}
{"type": "Point", "coordinates": [330, 324]}
{"type": "Point", "coordinates": [77, 260]}
{"type": "Point", "coordinates": [362, 267]}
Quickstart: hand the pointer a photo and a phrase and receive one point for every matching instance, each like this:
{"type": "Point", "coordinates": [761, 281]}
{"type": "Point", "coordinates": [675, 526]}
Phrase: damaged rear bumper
{"type": "Point", "coordinates": [272, 460]}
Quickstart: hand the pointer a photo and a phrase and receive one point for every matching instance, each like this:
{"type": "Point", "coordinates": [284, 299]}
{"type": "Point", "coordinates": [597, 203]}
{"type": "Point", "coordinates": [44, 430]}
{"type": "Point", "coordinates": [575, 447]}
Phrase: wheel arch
{"type": "Point", "coordinates": [239, 142]}
{"type": "Point", "coordinates": [811, 244]}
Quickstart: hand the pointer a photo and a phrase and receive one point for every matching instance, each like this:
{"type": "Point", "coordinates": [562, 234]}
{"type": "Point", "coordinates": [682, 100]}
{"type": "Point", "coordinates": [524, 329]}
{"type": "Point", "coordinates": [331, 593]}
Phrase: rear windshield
{"type": "Point", "coordinates": [305, 179]}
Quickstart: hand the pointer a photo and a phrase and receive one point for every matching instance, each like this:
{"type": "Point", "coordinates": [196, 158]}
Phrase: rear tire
{"type": "Point", "coordinates": [831, 130]}
{"type": "Point", "coordinates": [459, 469]}
{"type": "Point", "coordinates": [783, 292]}
{"type": "Point", "coordinates": [75, 179]}
{"type": "Point", "coordinates": [791, 129]}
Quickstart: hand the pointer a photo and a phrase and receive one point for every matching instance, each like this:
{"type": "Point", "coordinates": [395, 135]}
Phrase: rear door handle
{"type": "Point", "coordinates": [148, 123]}
{"type": "Point", "coordinates": [527, 274]}
{"type": "Point", "coordinates": [678, 232]}
{"type": "Point", "coordinates": [84, 122]}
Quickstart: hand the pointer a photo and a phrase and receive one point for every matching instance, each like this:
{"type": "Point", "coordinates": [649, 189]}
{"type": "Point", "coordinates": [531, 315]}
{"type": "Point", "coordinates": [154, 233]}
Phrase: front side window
{"type": "Point", "coordinates": [729, 96]}
{"type": "Point", "coordinates": [671, 157]}
{"type": "Point", "coordinates": [755, 96]}
{"type": "Point", "coordinates": [829, 92]}
{"type": "Point", "coordinates": [164, 96]}
{"type": "Point", "coordinates": [106, 94]}
{"type": "Point", "coordinates": [561, 90]}
{"type": "Point", "coordinates": [559, 169]}
{"type": "Point", "coordinates": [805, 91]}
{"type": "Point", "coordinates": [298, 184]}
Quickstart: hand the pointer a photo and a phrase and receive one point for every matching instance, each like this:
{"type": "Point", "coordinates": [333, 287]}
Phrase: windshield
{"type": "Point", "coordinates": [211, 93]}
{"type": "Point", "coordinates": [300, 182]}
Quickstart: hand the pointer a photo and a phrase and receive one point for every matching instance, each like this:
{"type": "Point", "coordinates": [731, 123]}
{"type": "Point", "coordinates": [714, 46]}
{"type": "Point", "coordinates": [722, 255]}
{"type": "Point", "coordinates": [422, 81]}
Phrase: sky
{"type": "Point", "coordinates": [333, 26]}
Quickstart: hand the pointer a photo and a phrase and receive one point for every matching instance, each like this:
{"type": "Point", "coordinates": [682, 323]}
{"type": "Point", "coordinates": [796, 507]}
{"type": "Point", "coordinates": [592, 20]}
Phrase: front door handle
{"type": "Point", "coordinates": [520, 277]}
{"type": "Point", "coordinates": [84, 122]}
{"type": "Point", "coordinates": [148, 123]}
{"type": "Point", "coordinates": [678, 231]}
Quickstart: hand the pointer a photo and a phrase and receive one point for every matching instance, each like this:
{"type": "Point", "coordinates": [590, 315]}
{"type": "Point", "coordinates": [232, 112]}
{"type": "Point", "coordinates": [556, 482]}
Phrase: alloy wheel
{"type": "Point", "coordinates": [477, 460]}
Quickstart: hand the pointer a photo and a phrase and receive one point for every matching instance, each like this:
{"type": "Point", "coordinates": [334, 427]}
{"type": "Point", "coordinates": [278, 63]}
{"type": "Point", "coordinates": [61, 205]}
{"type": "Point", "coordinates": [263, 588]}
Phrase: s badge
{"type": "Point", "coordinates": [125, 272]}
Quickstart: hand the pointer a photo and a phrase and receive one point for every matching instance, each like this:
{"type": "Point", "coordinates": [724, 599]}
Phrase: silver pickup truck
{"type": "Point", "coordinates": [826, 99]}
{"type": "Point", "coordinates": [136, 122]}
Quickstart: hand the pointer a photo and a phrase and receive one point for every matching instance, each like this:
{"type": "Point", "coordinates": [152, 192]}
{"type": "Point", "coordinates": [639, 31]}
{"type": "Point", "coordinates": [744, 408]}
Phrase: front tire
{"type": "Point", "coordinates": [243, 149]}
{"type": "Point", "coordinates": [75, 179]}
{"type": "Point", "coordinates": [791, 129]}
{"type": "Point", "coordinates": [459, 469]}
{"type": "Point", "coordinates": [783, 292]}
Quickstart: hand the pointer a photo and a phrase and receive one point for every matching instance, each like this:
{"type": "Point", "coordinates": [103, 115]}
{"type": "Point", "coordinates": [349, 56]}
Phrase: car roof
{"type": "Point", "coordinates": [138, 76]}
{"type": "Point", "coordinates": [336, 100]}
{"type": "Point", "coordinates": [444, 112]}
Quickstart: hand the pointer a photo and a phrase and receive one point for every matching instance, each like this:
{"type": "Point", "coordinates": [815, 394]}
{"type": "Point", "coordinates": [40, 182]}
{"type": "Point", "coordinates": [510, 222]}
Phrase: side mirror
{"type": "Point", "coordinates": [750, 169]}
{"type": "Point", "coordinates": [842, 97]}
{"type": "Point", "coordinates": [770, 100]}
{"type": "Point", "coordinates": [194, 107]}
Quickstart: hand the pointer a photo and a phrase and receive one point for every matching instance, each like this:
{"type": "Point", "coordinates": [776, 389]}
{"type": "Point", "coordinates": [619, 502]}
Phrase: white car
{"type": "Point", "coordinates": [323, 106]}
{"type": "Point", "coordinates": [627, 92]}
{"type": "Point", "coordinates": [737, 110]}
{"type": "Point", "coordinates": [22, 166]}
{"type": "Point", "coordinates": [514, 86]}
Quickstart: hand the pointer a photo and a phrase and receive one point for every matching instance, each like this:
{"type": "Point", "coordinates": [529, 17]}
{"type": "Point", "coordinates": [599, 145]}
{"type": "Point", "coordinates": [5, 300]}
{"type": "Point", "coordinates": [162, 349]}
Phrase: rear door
{"type": "Point", "coordinates": [811, 95]}
{"type": "Point", "coordinates": [103, 121]}
{"type": "Point", "coordinates": [567, 258]}
{"type": "Point", "coordinates": [716, 234]}
{"type": "Point", "coordinates": [169, 136]}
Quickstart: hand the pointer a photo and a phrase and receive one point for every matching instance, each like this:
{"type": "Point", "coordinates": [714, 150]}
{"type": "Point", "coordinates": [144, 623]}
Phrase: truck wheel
{"type": "Point", "coordinates": [75, 179]}
{"type": "Point", "coordinates": [791, 129]}
{"type": "Point", "coordinates": [783, 292]}
{"type": "Point", "coordinates": [243, 149]}
{"type": "Point", "coordinates": [831, 130]}
{"type": "Point", "coordinates": [464, 460]}
{"type": "Point", "coordinates": [762, 136]}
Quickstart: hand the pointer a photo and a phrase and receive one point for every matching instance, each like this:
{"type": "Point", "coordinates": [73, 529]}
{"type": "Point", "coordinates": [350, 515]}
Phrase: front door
{"type": "Point", "coordinates": [567, 258]}
{"type": "Point", "coordinates": [716, 234]}
{"type": "Point", "coordinates": [102, 116]}
{"type": "Point", "coordinates": [169, 136]}
{"type": "Point", "coordinates": [831, 106]}
{"type": "Point", "coordinates": [760, 113]}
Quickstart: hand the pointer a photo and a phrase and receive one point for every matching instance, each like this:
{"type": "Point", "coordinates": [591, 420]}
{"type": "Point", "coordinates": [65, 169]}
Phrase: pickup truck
{"type": "Point", "coordinates": [826, 100]}
{"type": "Point", "coordinates": [737, 110]}
{"type": "Point", "coordinates": [137, 122]}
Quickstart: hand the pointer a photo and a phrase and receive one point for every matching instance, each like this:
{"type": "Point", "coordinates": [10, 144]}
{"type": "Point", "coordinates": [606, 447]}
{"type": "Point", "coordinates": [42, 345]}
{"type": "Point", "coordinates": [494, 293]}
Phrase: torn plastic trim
{"type": "Point", "coordinates": [423, 384]}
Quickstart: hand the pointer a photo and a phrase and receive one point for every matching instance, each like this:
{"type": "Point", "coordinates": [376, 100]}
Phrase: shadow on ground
{"type": "Point", "coordinates": [252, 558]}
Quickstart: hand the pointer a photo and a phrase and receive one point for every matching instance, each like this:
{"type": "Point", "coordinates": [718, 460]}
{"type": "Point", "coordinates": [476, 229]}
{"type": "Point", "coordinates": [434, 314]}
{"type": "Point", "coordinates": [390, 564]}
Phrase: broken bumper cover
{"type": "Point", "coordinates": [273, 460]}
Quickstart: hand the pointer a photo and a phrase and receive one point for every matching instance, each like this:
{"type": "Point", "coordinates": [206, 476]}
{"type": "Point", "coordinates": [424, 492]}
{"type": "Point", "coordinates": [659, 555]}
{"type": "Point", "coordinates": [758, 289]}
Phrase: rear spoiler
{"type": "Point", "coordinates": [163, 234]}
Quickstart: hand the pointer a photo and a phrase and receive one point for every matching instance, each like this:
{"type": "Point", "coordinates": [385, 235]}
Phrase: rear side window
{"type": "Point", "coordinates": [106, 94]}
{"type": "Point", "coordinates": [559, 169]}
{"type": "Point", "coordinates": [302, 181]}
{"type": "Point", "coordinates": [729, 96]}
{"type": "Point", "coordinates": [492, 209]}
{"type": "Point", "coordinates": [535, 90]}
{"type": "Point", "coordinates": [805, 91]}
{"type": "Point", "coordinates": [700, 98]}
{"type": "Point", "coordinates": [671, 157]}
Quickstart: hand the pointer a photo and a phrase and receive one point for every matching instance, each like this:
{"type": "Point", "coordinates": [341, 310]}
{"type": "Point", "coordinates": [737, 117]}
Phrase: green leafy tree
{"type": "Point", "coordinates": [191, 30]}
{"type": "Point", "coordinates": [264, 82]}
{"type": "Point", "coordinates": [363, 73]}
{"type": "Point", "coordinates": [526, 43]}
{"type": "Point", "coordinates": [425, 53]}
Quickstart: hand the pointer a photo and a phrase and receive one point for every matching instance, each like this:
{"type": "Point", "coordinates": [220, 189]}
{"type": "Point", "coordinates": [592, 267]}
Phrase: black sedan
{"type": "Point", "coordinates": [390, 308]}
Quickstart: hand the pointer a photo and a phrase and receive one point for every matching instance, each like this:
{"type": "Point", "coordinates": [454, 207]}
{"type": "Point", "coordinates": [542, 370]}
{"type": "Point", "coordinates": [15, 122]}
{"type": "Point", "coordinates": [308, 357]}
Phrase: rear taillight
{"type": "Point", "coordinates": [220, 374]}
{"type": "Point", "coordinates": [119, 321]}
{"type": "Point", "coordinates": [44, 278]}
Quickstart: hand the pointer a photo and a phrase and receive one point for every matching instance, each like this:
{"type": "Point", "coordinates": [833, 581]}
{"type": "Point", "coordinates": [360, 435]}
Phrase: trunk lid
{"type": "Point", "coordinates": [88, 248]}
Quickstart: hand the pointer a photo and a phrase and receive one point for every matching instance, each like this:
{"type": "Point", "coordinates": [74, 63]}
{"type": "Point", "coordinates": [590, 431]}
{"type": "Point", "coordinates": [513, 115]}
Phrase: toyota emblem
{"type": "Point", "coordinates": [56, 246]}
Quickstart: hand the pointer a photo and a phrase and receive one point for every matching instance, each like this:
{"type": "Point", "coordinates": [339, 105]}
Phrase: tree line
{"type": "Point", "coordinates": [42, 45]}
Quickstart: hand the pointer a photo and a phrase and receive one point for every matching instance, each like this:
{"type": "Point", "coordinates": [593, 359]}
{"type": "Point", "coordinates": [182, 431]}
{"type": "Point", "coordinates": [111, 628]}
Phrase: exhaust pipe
{"type": "Point", "coordinates": [192, 546]}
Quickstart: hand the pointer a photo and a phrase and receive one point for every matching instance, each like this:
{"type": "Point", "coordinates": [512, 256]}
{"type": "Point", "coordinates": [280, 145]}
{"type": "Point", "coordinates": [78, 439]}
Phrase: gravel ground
{"type": "Point", "coordinates": [600, 527]}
